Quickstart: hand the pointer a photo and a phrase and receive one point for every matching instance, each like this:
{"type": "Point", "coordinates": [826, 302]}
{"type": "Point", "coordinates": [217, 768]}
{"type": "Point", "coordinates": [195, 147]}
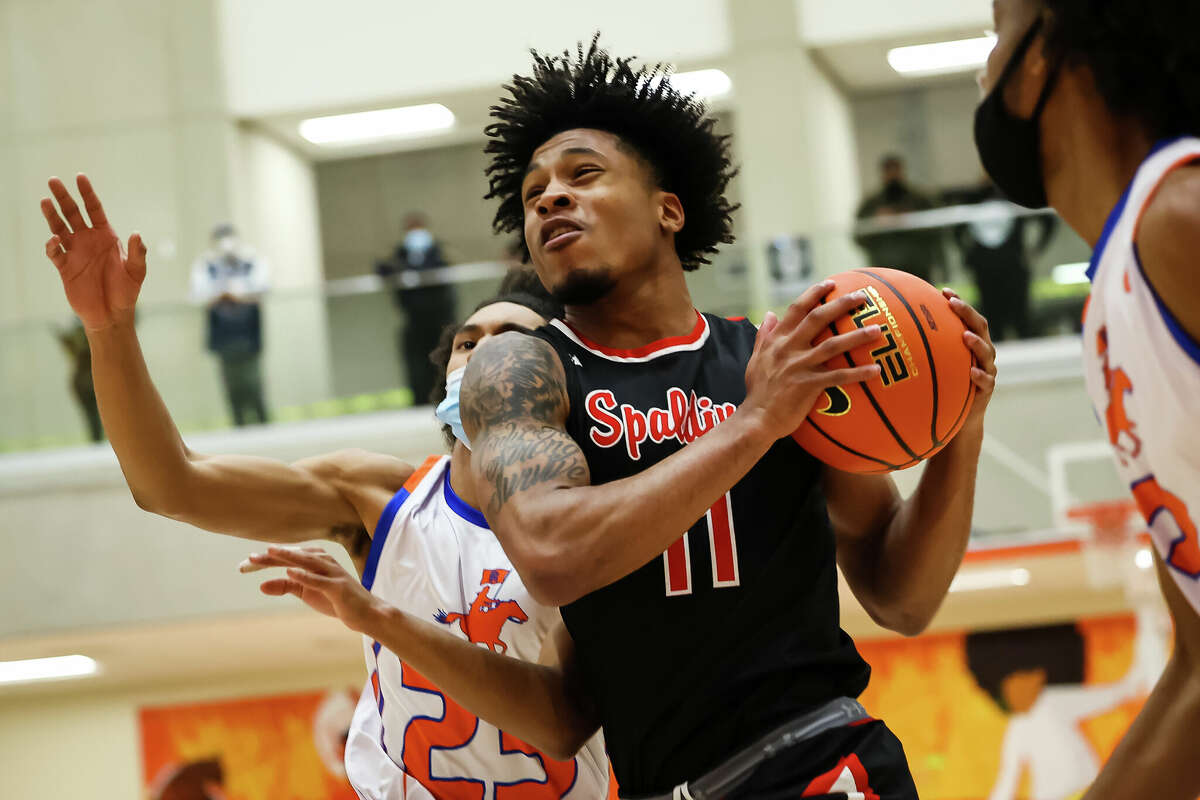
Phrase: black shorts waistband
{"type": "Point", "coordinates": [732, 772]}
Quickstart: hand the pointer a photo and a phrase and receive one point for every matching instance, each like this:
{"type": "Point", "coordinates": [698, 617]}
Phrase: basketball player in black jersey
{"type": "Point", "coordinates": [690, 649]}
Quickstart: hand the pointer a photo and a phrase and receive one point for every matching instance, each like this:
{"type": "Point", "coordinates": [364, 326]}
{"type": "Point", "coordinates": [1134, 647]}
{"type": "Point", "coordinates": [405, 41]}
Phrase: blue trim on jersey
{"type": "Point", "coordinates": [1119, 209]}
{"type": "Point", "coordinates": [1113, 217]}
{"type": "Point", "coordinates": [1178, 333]}
{"type": "Point", "coordinates": [460, 507]}
{"type": "Point", "coordinates": [380, 538]}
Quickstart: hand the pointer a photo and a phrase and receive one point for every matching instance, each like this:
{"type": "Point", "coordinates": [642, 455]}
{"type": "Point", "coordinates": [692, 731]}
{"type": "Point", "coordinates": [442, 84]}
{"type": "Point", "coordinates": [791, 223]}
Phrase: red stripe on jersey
{"type": "Point", "coordinates": [723, 548]}
{"type": "Point", "coordinates": [422, 471]}
{"type": "Point", "coordinates": [648, 349]}
{"type": "Point", "coordinates": [678, 577]}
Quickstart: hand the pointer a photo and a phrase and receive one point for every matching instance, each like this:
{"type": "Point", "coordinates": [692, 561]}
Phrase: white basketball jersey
{"type": "Point", "coordinates": [435, 557]}
{"type": "Point", "coordinates": [370, 770]}
{"type": "Point", "coordinates": [1143, 375]}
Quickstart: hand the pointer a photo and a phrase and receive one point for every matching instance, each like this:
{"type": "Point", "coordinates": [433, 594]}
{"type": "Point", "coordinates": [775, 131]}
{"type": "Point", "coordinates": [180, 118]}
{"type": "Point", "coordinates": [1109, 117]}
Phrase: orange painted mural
{"type": "Point", "coordinates": [253, 749]}
{"type": "Point", "coordinates": [1022, 714]}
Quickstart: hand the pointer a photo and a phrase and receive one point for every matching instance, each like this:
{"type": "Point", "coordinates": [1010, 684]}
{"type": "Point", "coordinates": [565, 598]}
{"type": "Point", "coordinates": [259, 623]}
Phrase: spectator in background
{"type": "Point", "coordinates": [230, 280]}
{"type": "Point", "coordinates": [996, 253]}
{"type": "Point", "coordinates": [915, 251]}
{"type": "Point", "coordinates": [74, 341]}
{"type": "Point", "coordinates": [427, 308]}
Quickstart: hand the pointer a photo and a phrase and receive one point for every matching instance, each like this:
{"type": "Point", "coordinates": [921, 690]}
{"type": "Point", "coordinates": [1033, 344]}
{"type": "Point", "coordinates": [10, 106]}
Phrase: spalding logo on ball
{"type": "Point", "coordinates": [923, 393]}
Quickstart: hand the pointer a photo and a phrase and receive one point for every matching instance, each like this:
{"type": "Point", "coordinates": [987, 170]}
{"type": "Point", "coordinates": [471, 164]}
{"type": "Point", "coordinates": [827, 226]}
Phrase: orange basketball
{"type": "Point", "coordinates": [923, 392]}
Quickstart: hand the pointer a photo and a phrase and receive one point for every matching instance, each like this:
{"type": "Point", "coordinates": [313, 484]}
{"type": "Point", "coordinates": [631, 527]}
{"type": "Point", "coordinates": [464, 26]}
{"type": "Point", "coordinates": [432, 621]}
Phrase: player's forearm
{"type": "Point", "coordinates": [929, 536]}
{"type": "Point", "coordinates": [1157, 756]}
{"type": "Point", "coordinates": [533, 702]}
{"type": "Point", "coordinates": [139, 427]}
{"type": "Point", "coordinates": [572, 540]}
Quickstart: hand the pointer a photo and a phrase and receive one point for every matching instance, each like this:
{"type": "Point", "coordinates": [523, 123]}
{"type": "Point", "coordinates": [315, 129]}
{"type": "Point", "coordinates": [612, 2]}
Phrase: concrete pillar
{"type": "Point", "coordinates": [794, 138]}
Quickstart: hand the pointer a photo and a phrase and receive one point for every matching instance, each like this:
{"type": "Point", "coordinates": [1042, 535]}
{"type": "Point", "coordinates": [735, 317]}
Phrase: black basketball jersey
{"type": "Point", "coordinates": [735, 628]}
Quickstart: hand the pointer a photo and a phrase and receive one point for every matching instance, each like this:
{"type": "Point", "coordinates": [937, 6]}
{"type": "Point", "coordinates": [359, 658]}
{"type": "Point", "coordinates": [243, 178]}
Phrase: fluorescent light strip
{"type": "Point", "coordinates": [704, 83]}
{"type": "Point", "coordinates": [976, 580]}
{"type": "Point", "coordinates": [45, 669]}
{"type": "Point", "coordinates": [371, 126]}
{"type": "Point", "coordinates": [941, 58]}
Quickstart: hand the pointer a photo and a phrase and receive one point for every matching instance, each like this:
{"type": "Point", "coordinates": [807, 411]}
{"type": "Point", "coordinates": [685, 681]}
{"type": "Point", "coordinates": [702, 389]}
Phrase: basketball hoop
{"type": "Point", "coordinates": [1114, 551]}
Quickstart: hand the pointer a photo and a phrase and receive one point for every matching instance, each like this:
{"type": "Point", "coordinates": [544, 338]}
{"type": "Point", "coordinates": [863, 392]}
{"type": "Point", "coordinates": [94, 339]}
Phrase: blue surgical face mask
{"type": "Point", "coordinates": [417, 243]}
{"type": "Point", "coordinates": [447, 411]}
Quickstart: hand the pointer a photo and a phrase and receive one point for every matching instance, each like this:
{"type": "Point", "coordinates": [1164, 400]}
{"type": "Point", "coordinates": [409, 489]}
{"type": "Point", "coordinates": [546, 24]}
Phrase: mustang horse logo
{"type": "Point", "coordinates": [484, 621]}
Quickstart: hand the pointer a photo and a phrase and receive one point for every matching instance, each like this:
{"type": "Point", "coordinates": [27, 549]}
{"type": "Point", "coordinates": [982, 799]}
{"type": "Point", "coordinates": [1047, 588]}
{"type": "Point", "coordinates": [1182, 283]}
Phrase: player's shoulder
{"type": "Point", "coordinates": [513, 375]}
{"type": "Point", "coordinates": [1174, 211]}
{"type": "Point", "coordinates": [1168, 239]}
{"type": "Point", "coordinates": [734, 328]}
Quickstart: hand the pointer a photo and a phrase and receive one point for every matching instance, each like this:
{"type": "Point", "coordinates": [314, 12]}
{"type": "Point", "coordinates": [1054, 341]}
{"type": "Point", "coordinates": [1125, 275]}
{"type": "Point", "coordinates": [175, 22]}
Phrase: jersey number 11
{"type": "Point", "coordinates": [722, 547]}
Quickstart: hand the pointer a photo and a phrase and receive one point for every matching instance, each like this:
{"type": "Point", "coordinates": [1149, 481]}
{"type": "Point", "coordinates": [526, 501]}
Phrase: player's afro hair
{"type": "Point", "coordinates": [671, 132]}
{"type": "Point", "coordinates": [1143, 54]}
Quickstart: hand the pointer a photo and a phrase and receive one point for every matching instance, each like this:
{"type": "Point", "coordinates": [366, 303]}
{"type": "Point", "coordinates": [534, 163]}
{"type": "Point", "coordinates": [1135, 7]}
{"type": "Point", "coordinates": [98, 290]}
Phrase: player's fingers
{"type": "Point", "coordinates": [982, 379]}
{"type": "Point", "coordinates": [320, 562]}
{"type": "Point", "coordinates": [256, 562]}
{"type": "Point", "coordinates": [309, 580]}
{"type": "Point", "coordinates": [983, 350]}
{"type": "Point", "coordinates": [57, 226]}
{"type": "Point", "coordinates": [277, 587]}
{"type": "Point", "coordinates": [803, 305]}
{"type": "Point", "coordinates": [770, 321]}
{"type": "Point", "coordinates": [67, 204]}
{"type": "Point", "coordinates": [971, 318]}
{"type": "Point", "coordinates": [849, 375]}
{"type": "Point", "coordinates": [91, 201]}
{"type": "Point", "coordinates": [843, 343]}
{"type": "Point", "coordinates": [948, 293]}
{"type": "Point", "coordinates": [821, 318]}
{"type": "Point", "coordinates": [135, 262]}
{"type": "Point", "coordinates": [56, 253]}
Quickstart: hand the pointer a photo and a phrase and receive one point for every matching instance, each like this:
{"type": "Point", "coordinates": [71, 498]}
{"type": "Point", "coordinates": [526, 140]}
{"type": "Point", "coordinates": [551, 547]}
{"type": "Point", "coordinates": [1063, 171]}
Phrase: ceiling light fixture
{"type": "Point", "coordinates": [704, 83]}
{"type": "Point", "coordinates": [44, 669]}
{"type": "Point", "coordinates": [976, 580]}
{"type": "Point", "coordinates": [373, 126]}
{"type": "Point", "coordinates": [941, 58]}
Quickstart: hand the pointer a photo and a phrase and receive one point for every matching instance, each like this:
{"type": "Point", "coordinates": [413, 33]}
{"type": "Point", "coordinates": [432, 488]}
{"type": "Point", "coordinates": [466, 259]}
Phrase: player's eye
{"type": "Point", "coordinates": [466, 344]}
{"type": "Point", "coordinates": [584, 170]}
{"type": "Point", "coordinates": [532, 192]}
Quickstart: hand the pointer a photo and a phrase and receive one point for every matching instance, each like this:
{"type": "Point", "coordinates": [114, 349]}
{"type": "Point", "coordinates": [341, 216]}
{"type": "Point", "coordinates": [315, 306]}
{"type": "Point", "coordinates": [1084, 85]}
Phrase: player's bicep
{"type": "Point", "coordinates": [514, 410]}
{"type": "Point", "coordinates": [259, 498]}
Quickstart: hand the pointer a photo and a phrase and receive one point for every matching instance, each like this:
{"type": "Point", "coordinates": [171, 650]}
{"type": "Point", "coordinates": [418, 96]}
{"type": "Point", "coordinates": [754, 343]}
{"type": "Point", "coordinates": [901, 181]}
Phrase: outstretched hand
{"type": "Point", "coordinates": [100, 277]}
{"type": "Point", "coordinates": [316, 578]}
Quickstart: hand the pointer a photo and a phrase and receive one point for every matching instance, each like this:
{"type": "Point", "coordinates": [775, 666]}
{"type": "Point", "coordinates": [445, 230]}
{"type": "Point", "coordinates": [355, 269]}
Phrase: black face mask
{"type": "Point", "coordinates": [1010, 147]}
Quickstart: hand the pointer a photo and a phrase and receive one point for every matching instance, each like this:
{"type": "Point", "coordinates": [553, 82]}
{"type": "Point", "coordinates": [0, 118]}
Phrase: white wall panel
{"type": "Point", "coordinates": [286, 55]}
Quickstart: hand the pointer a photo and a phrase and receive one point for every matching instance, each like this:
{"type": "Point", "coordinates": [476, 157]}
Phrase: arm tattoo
{"type": "Point", "coordinates": [514, 396]}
